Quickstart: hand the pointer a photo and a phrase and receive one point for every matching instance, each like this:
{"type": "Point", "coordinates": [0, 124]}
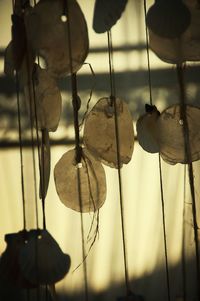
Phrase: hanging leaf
{"type": "Point", "coordinates": [48, 35]}
{"type": "Point", "coordinates": [107, 13]}
{"type": "Point", "coordinates": [147, 130]}
{"type": "Point", "coordinates": [45, 161]}
{"type": "Point", "coordinates": [45, 97]}
{"type": "Point", "coordinates": [19, 43]}
{"type": "Point", "coordinates": [171, 134]}
{"type": "Point", "coordinates": [10, 273]}
{"type": "Point", "coordinates": [41, 260]}
{"type": "Point", "coordinates": [100, 132]}
{"type": "Point", "coordinates": [92, 182]}
{"type": "Point", "coordinates": [179, 50]}
{"type": "Point", "coordinates": [168, 19]}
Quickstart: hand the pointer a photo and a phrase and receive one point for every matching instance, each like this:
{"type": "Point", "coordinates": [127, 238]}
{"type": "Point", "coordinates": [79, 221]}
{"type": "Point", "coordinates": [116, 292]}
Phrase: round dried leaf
{"type": "Point", "coordinates": [172, 136]}
{"type": "Point", "coordinates": [92, 182]}
{"type": "Point", "coordinates": [48, 35]}
{"type": "Point", "coordinates": [147, 131]}
{"type": "Point", "coordinates": [100, 132]}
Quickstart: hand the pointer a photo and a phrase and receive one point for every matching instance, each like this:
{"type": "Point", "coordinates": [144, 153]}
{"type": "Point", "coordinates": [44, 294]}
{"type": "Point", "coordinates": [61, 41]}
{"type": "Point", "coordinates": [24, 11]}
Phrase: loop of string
{"type": "Point", "coordinates": [77, 140]}
{"type": "Point", "coordinates": [188, 158]}
{"type": "Point", "coordinates": [159, 158]}
{"type": "Point", "coordinates": [113, 103]}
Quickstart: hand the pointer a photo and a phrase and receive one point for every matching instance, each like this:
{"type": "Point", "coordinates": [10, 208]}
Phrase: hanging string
{"type": "Point", "coordinates": [159, 158]}
{"type": "Point", "coordinates": [147, 50]}
{"type": "Point", "coordinates": [164, 230]}
{"type": "Point", "coordinates": [187, 150]}
{"type": "Point", "coordinates": [78, 158]}
{"type": "Point", "coordinates": [183, 236]}
{"type": "Point", "coordinates": [21, 151]}
{"type": "Point", "coordinates": [40, 150]}
{"type": "Point", "coordinates": [20, 138]}
{"type": "Point", "coordinates": [113, 103]}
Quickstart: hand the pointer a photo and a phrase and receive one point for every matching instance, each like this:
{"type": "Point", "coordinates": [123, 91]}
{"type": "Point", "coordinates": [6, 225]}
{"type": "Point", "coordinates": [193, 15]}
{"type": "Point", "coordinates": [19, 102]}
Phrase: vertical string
{"type": "Point", "coordinates": [148, 57]}
{"type": "Point", "coordinates": [160, 165]}
{"type": "Point", "coordinates": [20, 139]}
{"type": "Point", "coordinates": [164, 230]}
{"type": "Point", "coordinates": [113, 102]}
{"type": "Point", "coordinates": [21, 151]}
{"type": "Point", "coordinates": [183, 237]}
{"type": "Point", "coordinates": [76, 105]}
{"type": "Point", "coordinates": [188, 159]}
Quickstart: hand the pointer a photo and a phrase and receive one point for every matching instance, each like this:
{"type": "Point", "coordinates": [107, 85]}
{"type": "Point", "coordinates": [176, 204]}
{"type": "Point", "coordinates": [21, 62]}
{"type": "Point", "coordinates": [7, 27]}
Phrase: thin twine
{"type": "Point", "coordinates": [148, 57]}
{"type": "Point", "coordinates": [20, 140]}
{"type": "Point", "coordinates": [90, 96]}
{"type": "Point", "coordinates": [188, 158]}
{"type": "Point", "coordinates": [34, 168]}
{"type": "Point", "coordinates": [160, 165]}
{"type": "Point", "coordinates": [164, 229]}
{"type": "Point", "coordinates": [113, 102]}
{"type": "Point", "coordinates": [77, 140]}
{"type": "Point", "coordinates": [111, 66]}
{"type": "Point", "coordinates": [40, 148]}
{"type": "Point", "coordinates": [183, 237]}
{"type": "Point", "coordinates": [40, 159]}
{"type": "Point", "coordinates": [21, 151]}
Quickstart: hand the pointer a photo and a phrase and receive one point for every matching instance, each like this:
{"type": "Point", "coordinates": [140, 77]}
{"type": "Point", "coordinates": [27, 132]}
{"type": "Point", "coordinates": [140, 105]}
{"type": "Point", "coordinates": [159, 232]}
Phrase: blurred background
{"type": "Point", "coordinates": [140, 178]}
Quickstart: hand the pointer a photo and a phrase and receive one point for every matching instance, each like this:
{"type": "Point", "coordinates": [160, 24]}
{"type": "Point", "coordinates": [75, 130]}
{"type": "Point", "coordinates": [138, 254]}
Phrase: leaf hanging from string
{"type": "Point", "coordinates": [41, 260]}
{"type": "Point", "coordinates": [45, 162]}
{"type": "Point", "coordinates": [99, 132]}
{"type": "Point", "coordinates": [47, 35]}
{"type": "Point", "coordinates": [171, 135]}
{"type": "Point", "coordinates": [107, 13]}
{"type": "Point", "coordinates": [10, 273]}
{"type": "Point", "coordinates": [92, 182]}
{"type": "Point", "coordinates": [185, 48]}
{"type": "Point", "coordinates": [147, 130]}
{"type": "Point", "coordinates": [44, 95]}
{"type": "Point", "coordinates": [168, 19]}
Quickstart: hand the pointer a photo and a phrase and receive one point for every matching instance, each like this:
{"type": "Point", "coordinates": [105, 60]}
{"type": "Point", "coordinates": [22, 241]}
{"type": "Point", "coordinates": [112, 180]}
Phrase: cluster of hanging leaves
{"type": "Point", "coordinates": [174, 30]}
{"type": "Point", "coordinates": [41, 33]}
{"type": "Point", "coordinates": [44, 32]}
{"type": "Point", "coordinates": [164, 133]}
{"type": "Point", "coordinates": [31, 259]}
{"type": "Point", "coordinates": [99, 137]}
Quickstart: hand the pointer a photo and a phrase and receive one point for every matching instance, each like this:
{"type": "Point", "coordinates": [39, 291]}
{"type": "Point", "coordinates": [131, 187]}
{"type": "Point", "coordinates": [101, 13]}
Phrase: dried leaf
{"type": "Point", "coordinates": [100, 132]}
{"type": "Point", "coordinates": [107, 13]}
{"type": "Point", "coordinates": [41, 260]}
{"type": "Point", "coordinates": [10, 273]}
{"type": "Point", "coordinates": [48, 35]}
{"type": "Point", "coordinates": [171, 134]}
{"type": "Point", "coordinates": [92, 182]}
{"type": "Point", "coordinates": [147, 131]}
{"type": "Point", "coordinates": [185, 48]}
{"type": "Point", "coordinates": [45, 97]}
{"type": "Point", "coordinates": [168, 19]}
